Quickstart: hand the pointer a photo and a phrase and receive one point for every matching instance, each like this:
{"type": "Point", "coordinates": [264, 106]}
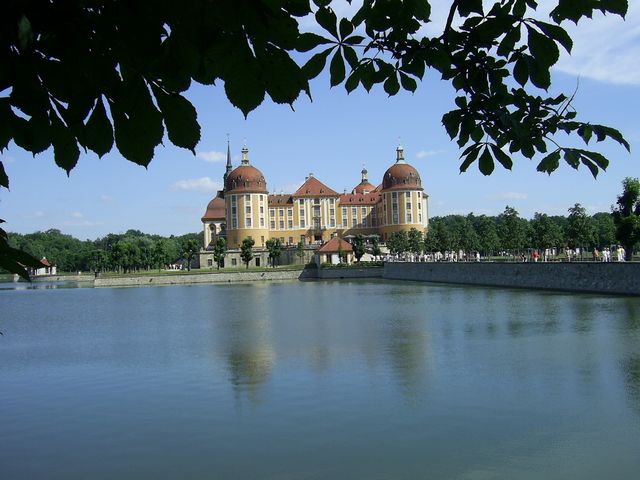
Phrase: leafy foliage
{"type": "Point", "coordinates": [358, 247]}
{"type": "Point", "coordinates": [91, 75]}
{"type": "Point", "coordinates": [580, 228]}
{"type": "Point", "coordinates": [626, 215]}
{"type": "Point", "coordinates": [274, 247]}
{"type": "Point", "coordinates": [246, 250]}
{"type": "Point", "coordinates": [219, 251]}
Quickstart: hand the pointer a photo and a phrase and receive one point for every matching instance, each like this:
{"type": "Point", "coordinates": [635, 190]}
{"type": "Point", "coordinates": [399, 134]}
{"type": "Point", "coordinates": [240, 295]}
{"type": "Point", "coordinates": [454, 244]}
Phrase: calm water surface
{"type": "Point", "coordinates": [318, 380]}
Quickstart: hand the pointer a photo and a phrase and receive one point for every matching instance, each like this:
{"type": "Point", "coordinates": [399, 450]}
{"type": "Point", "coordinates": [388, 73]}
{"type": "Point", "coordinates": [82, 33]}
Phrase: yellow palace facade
{"type": "Point", "coordinates": [314, 213]}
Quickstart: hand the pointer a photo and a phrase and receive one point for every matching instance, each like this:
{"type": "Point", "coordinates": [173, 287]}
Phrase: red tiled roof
{"type": "Point", "coordinates": [246, 178]}
{"type": "Point", "coordinates": [215, 209]}
{"type": "Point", "coordinates": [334, 245]}
{"type": "Point", "coordinates": [285, 199]}
{"type": "Point", "coordinates": [401, 176]}
{"type": "Point", "coordinates": [312, 187]}
{"type": "Point", "coordinates": [360, 198]}
{"type": "Point", "coordinates": [363, 187]}
{"type": "Point", "coordinates": [45, 262]}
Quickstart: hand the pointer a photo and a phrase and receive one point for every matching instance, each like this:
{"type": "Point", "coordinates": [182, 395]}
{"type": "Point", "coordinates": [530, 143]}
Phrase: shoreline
{"type": "Point", "coordinates": [617, 278]}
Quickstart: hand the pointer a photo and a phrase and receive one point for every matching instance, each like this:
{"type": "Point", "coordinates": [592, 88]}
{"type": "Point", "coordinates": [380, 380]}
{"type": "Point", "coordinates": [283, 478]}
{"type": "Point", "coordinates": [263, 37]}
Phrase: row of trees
{"type": "Point", "coordinates": [128, 252]}
{"type": "Point", "coordinates": [508, 232]}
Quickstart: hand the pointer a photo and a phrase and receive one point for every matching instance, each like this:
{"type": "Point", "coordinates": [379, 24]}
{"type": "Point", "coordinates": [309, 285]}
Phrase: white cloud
{"type": "Point", "coordinates": [106, 198]}
{"type": "Point", "coordinates": [212, 156]}
{"type": "Point", "coordinates": [204, 184]}
{"type": "Point", "coordinates": [428, 153]}
{"type": "Point", "coordinates": [7, 159]}
{"type": "Point", "coordinates": [77, 215]}
{"type": "Point", "coordinates": [508, 196]}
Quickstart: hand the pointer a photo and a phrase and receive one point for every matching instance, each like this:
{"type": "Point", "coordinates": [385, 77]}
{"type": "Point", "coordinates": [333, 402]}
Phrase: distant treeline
{"type": "Point", "coordinates": [131, 251]}
{"type": "Point", "coordinates": [135, 250]}
{"type": "Point", "coordinates": [509, 232]}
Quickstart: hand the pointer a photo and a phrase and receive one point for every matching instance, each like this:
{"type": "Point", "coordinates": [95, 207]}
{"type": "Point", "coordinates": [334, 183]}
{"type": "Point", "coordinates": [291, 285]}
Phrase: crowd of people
{"type": "Point", "coordinates": [608, 254]}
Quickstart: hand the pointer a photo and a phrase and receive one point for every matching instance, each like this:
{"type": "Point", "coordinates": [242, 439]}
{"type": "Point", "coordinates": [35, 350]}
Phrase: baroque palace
{"type": "Point", "coordinates": [314, 213]}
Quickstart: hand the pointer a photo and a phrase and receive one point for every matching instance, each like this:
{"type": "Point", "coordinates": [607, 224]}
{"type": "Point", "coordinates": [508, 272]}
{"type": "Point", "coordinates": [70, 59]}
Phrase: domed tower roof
{"type": "Point", "coordinates": [364, 186]}
{"type": "Point", "coordinates": [401, 175]}
{"type": "Point", "coordinates": [215, 209]}
{"type": "Point", "coordinates": [245, 178]}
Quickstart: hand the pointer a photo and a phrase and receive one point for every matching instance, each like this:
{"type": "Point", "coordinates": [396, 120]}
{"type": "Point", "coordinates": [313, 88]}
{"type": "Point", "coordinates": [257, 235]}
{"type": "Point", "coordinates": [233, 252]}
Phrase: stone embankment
{"type": "Point", "coordinates": [590, 277]}
{"type": "Point", "coordinates": [217, 277]}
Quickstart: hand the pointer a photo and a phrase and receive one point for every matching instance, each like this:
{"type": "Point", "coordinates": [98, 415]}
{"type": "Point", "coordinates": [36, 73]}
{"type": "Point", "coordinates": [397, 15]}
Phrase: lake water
{"type": "Point", "coordinates": [318, 380]}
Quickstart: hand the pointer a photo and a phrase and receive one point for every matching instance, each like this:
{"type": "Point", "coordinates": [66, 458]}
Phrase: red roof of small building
{"type": "Point", "coordinates": [334, 245]}
{"type": "Point", "coordinates": [45, 262]}
{"type": "Point", "coordinates": [312, 187]}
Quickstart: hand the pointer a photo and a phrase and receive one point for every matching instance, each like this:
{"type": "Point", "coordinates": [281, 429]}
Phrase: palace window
{"type": "Point", "coordinates": [364, 212]}
{"type": "Point", "coordinates": [281, 224]}
{"type": "Point", "coordinates": [272, 212]}
{"type": "Point", "coordinates": [345, 223]}
{"type": "Point", "coordinates": [302, 223]}
{"type": "Point", "coordinates": [247, 222]}
{"type": "Point", "coordinates": [261, 221]}
{"type": "Point", "coordinates": [273, 224]}
{"type": "Point", "coordinates": [290, 240]}
{"type": "Point", "coordinates": [281, 213]}
{"type": "Point", "coordinates": [247, 198]}
{"type": "Point", "coordinates": [354, 212]}
{"type": "Point", "coordinates": [290, 224]}
{"type": "Point", "coordinates": [290, 212]}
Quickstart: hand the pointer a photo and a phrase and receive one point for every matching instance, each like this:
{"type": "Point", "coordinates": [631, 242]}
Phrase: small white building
{"type": "Point", "coordinates": [46, 269]}
{"type": "Point", "coordinates": [331, 252]}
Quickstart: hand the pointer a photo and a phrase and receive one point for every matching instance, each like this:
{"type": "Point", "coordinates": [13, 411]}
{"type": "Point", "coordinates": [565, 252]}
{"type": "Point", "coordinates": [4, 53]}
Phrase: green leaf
{"type": "Point", "coordinates": [352, 82]}
{"type": "Point", "coordinates": [591, 166]}
{"type": "Point", "coordinates": [346, 28]}
{"type": "Point", "coordinates": [502, 157]}
{"type": "Point", "coordinates": [408, 83]}
{"type": "Point", "coordinates": [337, 69]}
{"type": "Point", "coordinates": [466, 7]}
{"type": "Point", "coordinates": [316, 64]}
{"type": "Point", "coordinates": [597, 158]}
{"type": "Point", "coordinates": [65, 146]}
{"type": "Point", "coordinates": [180, 119]}
{"type": "Point", "coordinates": [557, 33]}
{"type": "Point", "coordinates": [354, 40]}
{"type": "Point", "coordinates": [243, 85]}
{"type": "Point", "coordinates": [572, 157]}
{"type": "Point", "coordinates": [4, 178]}
{"type": "Point", "coordinates": [351, 56]}
{"type": "Point", "coordinates": [327, 20]}
{"type": "Point", "coordinates": [7, 119]}
{"type": "Point", "coordinates": [543, 48]}
{"type": "Point", "coordinates": [539, 74]}
{"type": "Point", "coordinates": [521, 71]}
{"type": "Point", "coordinates": [550, 163]}
{"type": "Point", "coordinates": [391, 85]}
{"type": "Point", "coordinates": [451, 122]}
{"type": "Point", "coordinates": [602, 132]}
{"type": "Point", "coordinates": [486, 164]}
{"type": "Point", "coordinates": [309, 41]}
{"type": "Point", "coordinates": [283, 78]}
{"type": "Point", "coordinates": [33, 135]}
{"type": "Point", "coordinates": [25, 33]}
{"type": "Point", "coordinates": [137, 122]}
{"type": "Point", "coordinates": [97, 134]}
{"type": "Point", "coordinates": [471, 153]}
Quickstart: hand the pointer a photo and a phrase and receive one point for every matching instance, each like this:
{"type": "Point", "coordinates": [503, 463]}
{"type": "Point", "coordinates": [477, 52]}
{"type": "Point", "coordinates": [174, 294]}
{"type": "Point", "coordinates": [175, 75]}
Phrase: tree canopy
{"type": "Point", "coordinates": [84, 75]}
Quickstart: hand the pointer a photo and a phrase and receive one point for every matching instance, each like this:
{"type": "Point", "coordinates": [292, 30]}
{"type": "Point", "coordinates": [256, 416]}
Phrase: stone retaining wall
{"type": "Point", "coordinates": [593, 277]}
{"type": "Point", "coordinates": [369, 272]}
{"type": "Point", "coordinates": [221, 277]}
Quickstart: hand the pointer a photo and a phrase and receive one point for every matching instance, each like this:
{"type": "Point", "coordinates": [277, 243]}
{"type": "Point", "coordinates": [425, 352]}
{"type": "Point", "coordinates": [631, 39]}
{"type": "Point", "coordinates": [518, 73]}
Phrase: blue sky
{"type": "Point", "coordinates": [333, 137]}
